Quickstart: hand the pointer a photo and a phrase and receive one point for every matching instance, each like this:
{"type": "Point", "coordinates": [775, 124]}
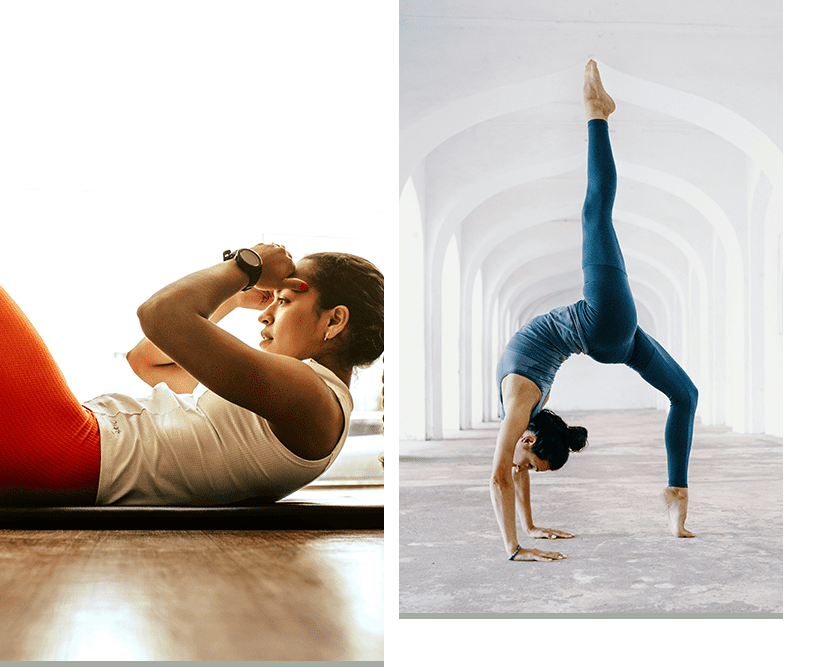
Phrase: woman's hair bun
{"type": "Point", "coordinates": [577, 438]}
{"type": "Point", "coordinates": [554, 439]}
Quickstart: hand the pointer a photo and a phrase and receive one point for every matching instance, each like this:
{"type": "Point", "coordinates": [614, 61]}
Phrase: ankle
{"type": "Point", "coordinates": [675, 494]}
{"type": "Point", "coordinates": [596, 114]}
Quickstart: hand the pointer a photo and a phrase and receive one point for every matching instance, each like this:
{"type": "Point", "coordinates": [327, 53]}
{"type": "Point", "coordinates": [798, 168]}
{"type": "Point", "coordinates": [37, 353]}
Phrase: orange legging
{"type": "Point", "coordinates": [48, 440]}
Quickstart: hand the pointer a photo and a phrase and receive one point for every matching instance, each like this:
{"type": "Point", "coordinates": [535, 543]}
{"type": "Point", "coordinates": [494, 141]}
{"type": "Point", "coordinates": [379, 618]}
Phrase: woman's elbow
{"type": "Point", "coordinates": [501, 480]}
{"type": "Point", "coordinates": [149, 316]}
{"type": "Point", "coordinates": [143, 312]}
{"type": "Point", "coordinates": [134, 360]}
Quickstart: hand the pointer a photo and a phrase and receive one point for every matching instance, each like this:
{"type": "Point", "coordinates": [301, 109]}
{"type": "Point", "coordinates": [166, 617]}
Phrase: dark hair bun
{"type": "Point", "coordinates": [577, 438]}
{"type": "Point", "coordinates": [554, 439]}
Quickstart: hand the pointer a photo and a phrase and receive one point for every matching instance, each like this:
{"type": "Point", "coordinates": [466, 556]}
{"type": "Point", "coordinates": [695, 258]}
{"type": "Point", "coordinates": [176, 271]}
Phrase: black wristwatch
{"type": "Point", "coordinates": [248, 260]}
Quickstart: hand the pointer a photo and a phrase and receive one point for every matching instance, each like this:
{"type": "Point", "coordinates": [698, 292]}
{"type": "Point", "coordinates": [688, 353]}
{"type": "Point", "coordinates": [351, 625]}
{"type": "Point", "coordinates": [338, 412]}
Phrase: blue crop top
{"type": "Point", "coordinates": [539, 348]}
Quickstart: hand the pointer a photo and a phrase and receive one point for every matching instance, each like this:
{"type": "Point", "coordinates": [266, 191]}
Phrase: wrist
{"type": "Point", "coordinates": [231, 272]}
{"type": "Point", "coordinates": [248, 261]}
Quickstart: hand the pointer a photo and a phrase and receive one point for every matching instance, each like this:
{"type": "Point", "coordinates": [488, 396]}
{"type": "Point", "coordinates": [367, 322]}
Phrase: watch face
{"type": "Point", "coordinates": [250, 258]}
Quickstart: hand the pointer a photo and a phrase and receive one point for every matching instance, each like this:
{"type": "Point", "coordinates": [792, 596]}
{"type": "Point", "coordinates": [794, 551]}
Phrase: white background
{"type": "Point", "coordinates": [141, 139]}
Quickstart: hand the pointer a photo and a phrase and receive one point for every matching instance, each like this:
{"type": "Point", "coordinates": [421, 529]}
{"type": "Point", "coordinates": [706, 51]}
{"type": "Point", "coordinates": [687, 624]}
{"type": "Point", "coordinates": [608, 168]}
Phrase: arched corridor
{"type": "Point", "coordinates": [493, 165]}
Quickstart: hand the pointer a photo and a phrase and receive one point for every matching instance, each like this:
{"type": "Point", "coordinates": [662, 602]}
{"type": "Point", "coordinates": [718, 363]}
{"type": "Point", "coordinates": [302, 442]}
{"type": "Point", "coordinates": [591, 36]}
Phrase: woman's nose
{"type": "Point", "coordinates": [267, 317]}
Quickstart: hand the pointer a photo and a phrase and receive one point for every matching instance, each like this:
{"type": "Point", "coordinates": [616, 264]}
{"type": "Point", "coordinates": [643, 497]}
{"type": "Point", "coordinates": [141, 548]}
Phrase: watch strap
{"type": "Point", "coordinates": [253, 271]}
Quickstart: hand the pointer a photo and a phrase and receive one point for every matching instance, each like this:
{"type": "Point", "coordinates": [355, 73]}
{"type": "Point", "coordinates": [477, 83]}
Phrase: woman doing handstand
{"type": "Point", "coordinates": [603, 325]}
{"type": "Point", "coordinates": [263, 422]}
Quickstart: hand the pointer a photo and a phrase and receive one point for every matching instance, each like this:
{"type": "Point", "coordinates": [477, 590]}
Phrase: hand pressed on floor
{"type": "Point", "coordinates": [537, 555]}
{"type": "Point", "coordinates": [548, 534]}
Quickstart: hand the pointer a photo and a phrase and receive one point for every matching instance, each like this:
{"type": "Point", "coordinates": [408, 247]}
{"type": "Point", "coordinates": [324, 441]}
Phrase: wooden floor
{"type": "Point", "coordinates": [191, 595]}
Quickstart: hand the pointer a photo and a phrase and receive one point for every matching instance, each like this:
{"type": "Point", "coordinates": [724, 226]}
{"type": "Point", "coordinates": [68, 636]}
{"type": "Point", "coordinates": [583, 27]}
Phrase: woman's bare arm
{"type": "Point", "coordinates": [301, 408]}
{"type": "Point", "coordinates": [522, 498]}
{"type": "Point", "coordinates": [153, 366]}
{"type": "Point", "coordinates": [519, 397]}
{"type": "Point", "coordinates": [502, 486]}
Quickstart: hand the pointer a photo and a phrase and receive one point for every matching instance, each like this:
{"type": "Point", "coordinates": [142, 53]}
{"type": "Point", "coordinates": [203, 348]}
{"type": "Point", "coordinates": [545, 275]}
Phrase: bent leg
{"type": "Point", "coordinates": [661, 371]}
{"type": "Point", "coordinates": [48, 441]}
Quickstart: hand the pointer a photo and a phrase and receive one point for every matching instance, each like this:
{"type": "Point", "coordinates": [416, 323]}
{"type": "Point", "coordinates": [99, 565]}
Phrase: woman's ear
{"type": "Point", "coordinates": [339, 316]}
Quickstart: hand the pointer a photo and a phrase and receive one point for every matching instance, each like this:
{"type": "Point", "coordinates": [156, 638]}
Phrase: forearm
{"type": "Point", "coordinates": [502, 486]}
{"type": "Point", "coordinates": [169, 314]}
{"type": "Point", "coordinates": [522, 498]}
{"type": "Point", "coordinates": [502, 493]}
{"type": "Point", "coordinates": [146, 354]}
{"type": "Point", "coordinates": [203, 294]}
{"type": "Point", "coordinates": [169, 317]}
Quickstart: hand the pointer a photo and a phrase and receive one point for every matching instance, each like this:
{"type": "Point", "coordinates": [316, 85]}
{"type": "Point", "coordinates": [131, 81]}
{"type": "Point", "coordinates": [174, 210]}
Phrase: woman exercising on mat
{"type": "Point", "coordinates": [263, 422]}
{"type": "Point", "coordinates": [603, 326]}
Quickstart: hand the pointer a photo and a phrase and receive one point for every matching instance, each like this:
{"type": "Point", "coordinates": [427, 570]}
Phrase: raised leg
{"type": "Point", "coordinates": [609, 313]}
{"type": "Point", "coordinates": [599, 243]}
{"type": "Point", "coordinates": [48, 441]}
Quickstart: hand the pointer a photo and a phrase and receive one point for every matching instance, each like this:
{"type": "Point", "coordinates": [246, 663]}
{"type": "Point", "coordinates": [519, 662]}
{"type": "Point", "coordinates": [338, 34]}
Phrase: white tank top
{"type": "Point", "coordinates": [198, 449]}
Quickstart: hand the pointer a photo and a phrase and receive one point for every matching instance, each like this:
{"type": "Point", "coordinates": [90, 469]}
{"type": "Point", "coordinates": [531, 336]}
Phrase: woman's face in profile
{"type": "Point", "coordinates": [524, 458]}
{"type": "Point", "coordinates": [293, 325]}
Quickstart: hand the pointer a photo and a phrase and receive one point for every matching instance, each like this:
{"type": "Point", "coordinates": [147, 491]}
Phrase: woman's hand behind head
{"type": "Point", "coordinates": [277, 268]}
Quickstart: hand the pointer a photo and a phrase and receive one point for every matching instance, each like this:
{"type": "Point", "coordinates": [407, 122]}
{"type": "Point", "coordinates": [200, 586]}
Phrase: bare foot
{"type": "Point", "coordinates": [598, 104]}
{"type": "Point", "coordinates": [675, 501]}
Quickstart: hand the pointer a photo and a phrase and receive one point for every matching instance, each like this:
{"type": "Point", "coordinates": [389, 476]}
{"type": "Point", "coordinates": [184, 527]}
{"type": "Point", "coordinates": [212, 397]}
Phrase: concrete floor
{"type": "Point", "coordinates": [623, 559]}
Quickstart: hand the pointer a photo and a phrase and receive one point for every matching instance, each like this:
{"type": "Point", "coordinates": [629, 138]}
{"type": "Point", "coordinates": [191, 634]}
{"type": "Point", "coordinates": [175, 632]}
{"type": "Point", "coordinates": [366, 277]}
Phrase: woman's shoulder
{"type": "Point", "coordinates": [339, 388]}
{"type": "Point", "coordinates": [330, 378]}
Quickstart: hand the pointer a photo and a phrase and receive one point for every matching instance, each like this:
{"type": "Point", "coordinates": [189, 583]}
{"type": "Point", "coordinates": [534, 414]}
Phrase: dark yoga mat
{"type": "Point", "coordinates": [331, 514]}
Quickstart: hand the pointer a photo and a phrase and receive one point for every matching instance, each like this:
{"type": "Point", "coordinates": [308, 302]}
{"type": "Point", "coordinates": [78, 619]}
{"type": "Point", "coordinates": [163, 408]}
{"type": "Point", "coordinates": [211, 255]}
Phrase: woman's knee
{"type": "Point", "coordinates": [688, 396]}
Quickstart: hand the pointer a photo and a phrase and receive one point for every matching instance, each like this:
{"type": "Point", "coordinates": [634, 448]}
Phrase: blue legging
{"type": "Point", "coordinates": [607, 315]}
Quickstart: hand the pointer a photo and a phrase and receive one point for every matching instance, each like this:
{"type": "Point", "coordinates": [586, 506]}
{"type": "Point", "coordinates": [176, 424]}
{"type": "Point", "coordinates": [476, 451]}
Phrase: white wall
{"type": "Point", "coordinates": [492, 120]}
{"type": "Point", "coordinates": [411, 378]}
